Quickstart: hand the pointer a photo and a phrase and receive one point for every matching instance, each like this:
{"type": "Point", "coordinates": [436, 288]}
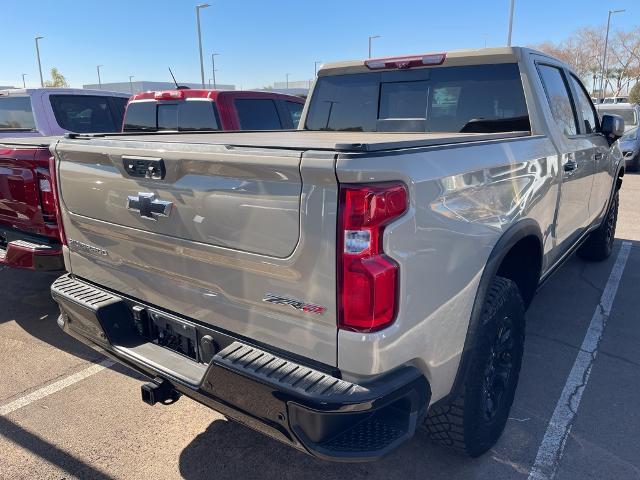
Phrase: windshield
{"type": "Point", "coordinates": [628, 114]}
{"type": "Point", "coordinates": [16, 114]}
{"type": "Point", "coordinates": [474, 98]}
{"type": "Point", "coordinates": [151, 116]}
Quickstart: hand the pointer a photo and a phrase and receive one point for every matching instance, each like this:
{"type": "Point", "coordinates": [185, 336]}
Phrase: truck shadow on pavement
{"type": "Point", "coordinates": [26, 299]}
{"type": "Point", "coordinates": [235, 451]}
{"type": "Point", "coordinates": [49, 452]}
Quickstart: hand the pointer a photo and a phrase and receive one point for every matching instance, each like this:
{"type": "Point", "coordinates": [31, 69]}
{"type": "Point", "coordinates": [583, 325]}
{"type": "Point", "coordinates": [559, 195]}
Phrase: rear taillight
{"type": "Point", "coordinates": [53, 176]}
{"type": "Point", "coordinates": [367, 278]}
{"type": "Point", "coordinates": [47, 201]}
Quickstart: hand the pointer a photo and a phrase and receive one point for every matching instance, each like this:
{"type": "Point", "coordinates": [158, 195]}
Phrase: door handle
{"type": "Point", "coordinates": [598, 156]}
{"type": "Point", "coordinates": [570, 166]}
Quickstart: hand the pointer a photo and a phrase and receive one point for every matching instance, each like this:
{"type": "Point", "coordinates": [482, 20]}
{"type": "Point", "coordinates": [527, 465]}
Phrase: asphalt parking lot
{"type": "Point", "coordinates": [66, 412]}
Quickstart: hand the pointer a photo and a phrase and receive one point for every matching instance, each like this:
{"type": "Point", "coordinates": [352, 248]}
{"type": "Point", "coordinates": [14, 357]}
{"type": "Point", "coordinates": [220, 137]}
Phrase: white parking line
{"type": "Point", "coordinates": [54, 387]}
{"type": "Point", "coordinates": [555, 438]}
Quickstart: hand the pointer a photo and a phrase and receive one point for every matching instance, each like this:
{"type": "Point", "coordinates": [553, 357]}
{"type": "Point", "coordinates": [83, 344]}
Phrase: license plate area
{"type": "Point", "coordinates": [169, 332]}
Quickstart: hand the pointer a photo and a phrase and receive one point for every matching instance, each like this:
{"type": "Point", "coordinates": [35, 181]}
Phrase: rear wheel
{"type": "Point", "coordinates": [599, 245]}
{"type": "Point", "coordinates": [474, 420]}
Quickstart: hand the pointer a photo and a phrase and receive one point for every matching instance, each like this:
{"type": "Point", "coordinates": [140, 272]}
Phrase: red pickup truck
{"type": "Point", "coordinates": [30, 234]}
{"type": "Point", "coordinates": [193, 110]}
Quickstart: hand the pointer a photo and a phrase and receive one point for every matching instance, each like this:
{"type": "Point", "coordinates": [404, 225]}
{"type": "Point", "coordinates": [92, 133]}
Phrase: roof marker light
{"type": "Point", "coordinates": [406, 62]}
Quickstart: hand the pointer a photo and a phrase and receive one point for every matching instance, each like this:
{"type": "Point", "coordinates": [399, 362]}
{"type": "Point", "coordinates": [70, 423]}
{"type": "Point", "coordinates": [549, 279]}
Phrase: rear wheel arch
{"type": "Point", "coordinates": [524, 235]}
{"type": "Point", "coordinates": [522, 263]}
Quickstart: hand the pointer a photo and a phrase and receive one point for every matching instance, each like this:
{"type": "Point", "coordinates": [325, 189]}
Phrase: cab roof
{"type": "Point", "coordinates": [17, 92]}
{"type": "Point", "coordinates": [449, 59]}
{"type": "Point", "coordinates": [182, 94]}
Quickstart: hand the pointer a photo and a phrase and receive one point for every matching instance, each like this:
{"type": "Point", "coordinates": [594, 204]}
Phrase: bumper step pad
{"type": "Point", "coordinates": [284, 373]}
{"type": "Point", "coordinates": [31, 256]}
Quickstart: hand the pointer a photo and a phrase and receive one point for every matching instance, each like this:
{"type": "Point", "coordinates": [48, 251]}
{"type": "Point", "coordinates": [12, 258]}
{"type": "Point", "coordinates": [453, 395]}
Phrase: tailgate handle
{"type": "Point", "coordinates": [144, 167]}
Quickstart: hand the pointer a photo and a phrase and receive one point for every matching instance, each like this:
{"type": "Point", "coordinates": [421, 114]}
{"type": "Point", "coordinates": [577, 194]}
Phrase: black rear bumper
{"type": "Point", "coordinates": [295, 401]}
{"type": "Point", "coordinates": [20, 249]}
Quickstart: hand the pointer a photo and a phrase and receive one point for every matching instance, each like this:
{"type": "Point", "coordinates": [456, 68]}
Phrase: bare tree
{"type": "Point", "coordinates": [627, 54]}
{"type": "Point", "coordinates": [583, 51]}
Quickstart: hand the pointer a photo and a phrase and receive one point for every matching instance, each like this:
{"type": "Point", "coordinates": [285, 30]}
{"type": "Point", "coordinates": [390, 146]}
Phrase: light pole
{"type": "Point", "coordinates": [287, 75]}
{"type": "Point", "coordinates": [198, 7]}
{"type": "Point", "coordinates": [213, 68]}
{"type": "Point", "coordinates": [39, 64]}
{"type": "Point", "coordinates": [24, 84]}
{"type": "Point", "coordinates": [131, 83]}
{"type": "Point", "coordinates": [315, 67]}
{"type": "Point", "coordinates": [99, 79]}
{"type": "Point", "coordinates": [371, 37]}
{"type": "Point", "coordinates": [511, 8]}
{"type": "Point", "coordinates": [604, 59]}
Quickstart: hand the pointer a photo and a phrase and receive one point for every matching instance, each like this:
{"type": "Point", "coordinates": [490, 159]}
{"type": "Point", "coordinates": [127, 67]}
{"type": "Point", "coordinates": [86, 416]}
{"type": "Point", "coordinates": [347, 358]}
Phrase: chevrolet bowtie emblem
{"type": "Point", "coordinates": [148, 206]}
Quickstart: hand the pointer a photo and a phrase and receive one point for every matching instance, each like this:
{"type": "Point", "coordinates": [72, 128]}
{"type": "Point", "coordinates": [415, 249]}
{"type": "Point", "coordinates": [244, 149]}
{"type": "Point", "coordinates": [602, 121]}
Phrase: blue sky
{"type": "Point", "coordinates": [261, 41]}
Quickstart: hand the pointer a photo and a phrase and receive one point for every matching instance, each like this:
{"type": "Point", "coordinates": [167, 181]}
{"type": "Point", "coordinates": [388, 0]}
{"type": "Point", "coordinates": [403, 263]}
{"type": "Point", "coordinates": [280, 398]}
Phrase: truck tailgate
{"type": "Point", "coordinates": [215, 235]}
{"type": "Point", "coordinates": [22, 167]}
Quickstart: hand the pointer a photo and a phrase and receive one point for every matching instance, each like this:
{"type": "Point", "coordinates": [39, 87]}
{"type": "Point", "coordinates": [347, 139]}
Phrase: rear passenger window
{"type": "Point", "coordinates": [586, 107]}
{"type": "Point", "coordinates": [295, 110]}
{"type": "Point", "coordinates": [84, 113]}
{"type": "Point", "coordinates": [556, 87]}
{"type": "Point", "coordinates": [16, 114]}
{"type": "Point", "coordinates": [257, 114]}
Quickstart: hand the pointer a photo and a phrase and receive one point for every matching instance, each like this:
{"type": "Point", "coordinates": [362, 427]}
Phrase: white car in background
{"type": "Point", "coordinates": [615, 100]}
{"type": "Point", "coordinates": [629, 112]}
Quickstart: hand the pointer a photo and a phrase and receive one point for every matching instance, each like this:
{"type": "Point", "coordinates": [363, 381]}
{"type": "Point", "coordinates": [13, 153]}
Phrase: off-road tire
{"type": "Point", "coordinates": [599, 245]}
{"type": "Point", "coordinates": [466, 423]}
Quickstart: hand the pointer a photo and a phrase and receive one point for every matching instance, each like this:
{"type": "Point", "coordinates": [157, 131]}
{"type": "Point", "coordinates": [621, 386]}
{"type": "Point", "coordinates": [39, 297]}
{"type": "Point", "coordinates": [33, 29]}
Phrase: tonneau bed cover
{"type": "Point", "coordinates": [309, 140]}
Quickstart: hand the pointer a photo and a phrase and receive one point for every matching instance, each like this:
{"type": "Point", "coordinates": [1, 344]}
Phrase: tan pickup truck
{"type": "Point", "coordinates": [338, 286]}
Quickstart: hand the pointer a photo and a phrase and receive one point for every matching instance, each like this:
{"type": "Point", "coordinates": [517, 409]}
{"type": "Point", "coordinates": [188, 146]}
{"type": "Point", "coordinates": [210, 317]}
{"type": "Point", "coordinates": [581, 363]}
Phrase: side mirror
{"type": "Point", "coordinates": [612, 126]}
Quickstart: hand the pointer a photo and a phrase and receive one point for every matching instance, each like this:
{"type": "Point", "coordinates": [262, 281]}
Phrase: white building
{"type": "Point", "coordinates": [298, 87]}
{"type": "Point", "coordinates": [143, 86]}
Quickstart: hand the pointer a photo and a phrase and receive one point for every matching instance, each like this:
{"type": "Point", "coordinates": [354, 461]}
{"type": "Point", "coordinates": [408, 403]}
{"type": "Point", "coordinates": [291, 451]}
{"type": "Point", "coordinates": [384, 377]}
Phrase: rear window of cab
{"type": "Point", "coordinates": [471, 98]}
{"type": "Point", "coordinates": [186, 115]}
{"type": "Point", "coordinates": [88, 113]}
